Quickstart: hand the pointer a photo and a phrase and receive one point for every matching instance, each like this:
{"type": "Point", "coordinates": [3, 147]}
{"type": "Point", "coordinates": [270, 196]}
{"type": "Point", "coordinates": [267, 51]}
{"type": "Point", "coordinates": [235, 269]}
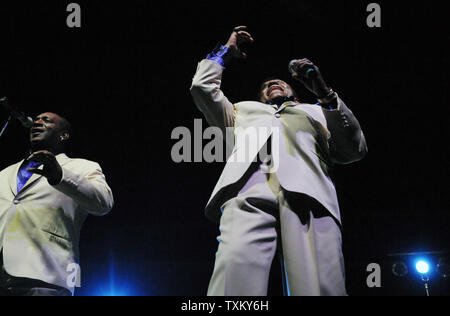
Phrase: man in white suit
{"type": "Point", "coordinates": [44, 201]}
{"type": "Point", "coordinates": [293, 204]}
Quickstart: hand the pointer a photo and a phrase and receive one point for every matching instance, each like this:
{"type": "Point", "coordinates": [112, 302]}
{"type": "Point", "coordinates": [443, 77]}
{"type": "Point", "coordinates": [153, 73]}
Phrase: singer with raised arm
{"type": "Point", "coordinates": [44, 200]}
{"type": "Point", "coordinates": [292, 207]}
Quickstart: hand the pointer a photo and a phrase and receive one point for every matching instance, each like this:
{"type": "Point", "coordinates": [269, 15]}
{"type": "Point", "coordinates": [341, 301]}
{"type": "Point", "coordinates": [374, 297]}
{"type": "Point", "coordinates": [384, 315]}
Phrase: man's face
{"type": "Point", "coordinates": [47, 131]}
{"type": "Point", "coordinates": [273, 89]}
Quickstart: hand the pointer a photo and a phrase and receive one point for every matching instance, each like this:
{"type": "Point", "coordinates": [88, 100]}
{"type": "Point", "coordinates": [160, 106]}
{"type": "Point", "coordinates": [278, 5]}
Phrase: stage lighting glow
{"type": "Point", "coordinates": [113, 287]}
{"type": "Point", "coordinates": [113, 292]}
{"type": "Point", "coordinates": [422, 267]}
{"type": "Point", "coordinates": [117, 282]}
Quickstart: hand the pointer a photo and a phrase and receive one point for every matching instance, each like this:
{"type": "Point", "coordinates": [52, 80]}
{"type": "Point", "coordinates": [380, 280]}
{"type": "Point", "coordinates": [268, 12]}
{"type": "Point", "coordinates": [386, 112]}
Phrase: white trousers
{"type": "Point", "coordinates": [311, 244]}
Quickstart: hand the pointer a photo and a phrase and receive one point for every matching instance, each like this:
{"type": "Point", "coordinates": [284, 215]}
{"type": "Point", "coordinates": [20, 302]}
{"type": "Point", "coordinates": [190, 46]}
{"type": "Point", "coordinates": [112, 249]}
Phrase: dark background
{"type": "Point", "coordinates": [123, 80]}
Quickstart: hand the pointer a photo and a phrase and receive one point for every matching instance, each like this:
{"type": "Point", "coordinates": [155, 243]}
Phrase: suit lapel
{"type": "Point", "coordinates": [286, 104]}
{"type": "Point", "coordinates": [13, 177]}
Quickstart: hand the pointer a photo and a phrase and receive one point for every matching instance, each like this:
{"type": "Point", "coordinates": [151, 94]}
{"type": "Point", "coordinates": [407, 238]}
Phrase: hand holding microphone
{"type": "Point", "coordinates": [309, 75]}
{"type": "Point", "coordinates": [303, 68]}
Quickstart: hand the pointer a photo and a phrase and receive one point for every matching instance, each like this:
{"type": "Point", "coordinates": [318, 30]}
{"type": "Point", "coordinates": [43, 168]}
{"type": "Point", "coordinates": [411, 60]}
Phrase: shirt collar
{"type": "Point", "coordinates": [281, 100]}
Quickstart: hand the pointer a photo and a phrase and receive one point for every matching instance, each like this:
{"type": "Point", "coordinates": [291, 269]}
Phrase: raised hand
{"type": "Point", "coordinates": [237, 38]}
{"type": "Point", "coordinates": [52, 169]}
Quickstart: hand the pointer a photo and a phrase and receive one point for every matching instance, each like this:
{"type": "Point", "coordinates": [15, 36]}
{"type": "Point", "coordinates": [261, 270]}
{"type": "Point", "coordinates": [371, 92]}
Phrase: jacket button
{"type": "Point", "coordinates": [277, 115]}
{"type": "Point", "coordinates": [16, 202]}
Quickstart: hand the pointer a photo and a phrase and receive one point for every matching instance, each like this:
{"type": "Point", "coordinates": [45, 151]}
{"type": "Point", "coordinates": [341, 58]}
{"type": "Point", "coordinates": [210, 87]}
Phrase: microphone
{"type": "Point", "coordinates": [309, 74]}
{"type": "Point", "coordinates": [26, 121]}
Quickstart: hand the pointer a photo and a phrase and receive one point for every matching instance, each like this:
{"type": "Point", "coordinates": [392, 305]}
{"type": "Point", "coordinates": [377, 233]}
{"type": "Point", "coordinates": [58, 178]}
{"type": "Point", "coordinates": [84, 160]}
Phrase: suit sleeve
{"type": "Point", "coordinates": [208, 97]}
{"type": "Point", "coordinates": [88, 188]}
{"type": "Point", "coordinates": [347, 143]}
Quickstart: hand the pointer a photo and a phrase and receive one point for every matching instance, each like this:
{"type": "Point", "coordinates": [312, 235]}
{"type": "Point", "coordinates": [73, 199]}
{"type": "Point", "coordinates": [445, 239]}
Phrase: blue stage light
{"type": "Point", "coordinates": [422, 267]}
{"type": "Point", "coordinates": [116, 282]}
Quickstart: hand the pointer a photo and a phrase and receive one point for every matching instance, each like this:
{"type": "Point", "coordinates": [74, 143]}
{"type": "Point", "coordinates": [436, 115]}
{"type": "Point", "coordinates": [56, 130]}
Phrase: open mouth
{"type": "Point", "coordinates": [36, 131]}
{"type": "Point", "coordinates": [273, 88]}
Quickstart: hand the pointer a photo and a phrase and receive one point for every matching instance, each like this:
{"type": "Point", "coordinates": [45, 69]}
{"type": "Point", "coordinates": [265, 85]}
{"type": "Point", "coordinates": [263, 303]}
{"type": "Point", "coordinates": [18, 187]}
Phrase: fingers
{"type": "Point", "coordinates": [36, 171]}
{"type": "Point", "coordinates": [242, 34]}
{"type": "Point", "coordinates": [242, 37]}
{"type": "Point", "coordinates": [303, 68]}
{"type": "Point", "coordinates": [304, 62]}
{"type": "Point", "coordinates": [245, 35]}
{"type": "Point", "coordinates": [296, 77]}
{"type": "Point", "coordinates": [51, 168]}
{"type": "Point", "coordinates": [41, 156]}
{"type": "Point", "coordinates": [238, 37]}
{"type": "Point", "coordinates": [239, 28]}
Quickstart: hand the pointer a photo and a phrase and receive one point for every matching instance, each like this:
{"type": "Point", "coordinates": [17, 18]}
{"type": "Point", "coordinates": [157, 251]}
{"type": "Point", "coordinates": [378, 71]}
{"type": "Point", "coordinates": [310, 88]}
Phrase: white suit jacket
{"type": "Point", "coordinates": [310, 140]}
{"type": "Point", "coordinates": [40, 225]}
